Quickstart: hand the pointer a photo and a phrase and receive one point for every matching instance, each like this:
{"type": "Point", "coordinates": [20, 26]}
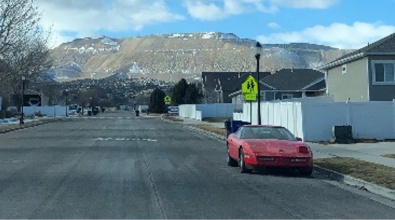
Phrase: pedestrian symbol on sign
{"type": "Point", "coordinates": [250, 86]}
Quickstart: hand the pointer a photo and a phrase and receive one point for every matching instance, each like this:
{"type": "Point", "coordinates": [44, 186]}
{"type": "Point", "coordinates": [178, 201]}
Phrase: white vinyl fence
{"type": "Point", "coordinates": [52, 111]}
{"type": "Point", "coordinates": [201, 111]}
{"type": "Point", "coordinates": [313, 121]}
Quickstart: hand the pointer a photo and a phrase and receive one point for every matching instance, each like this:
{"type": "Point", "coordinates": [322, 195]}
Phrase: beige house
{"type": "Point", "coordinates": [367, 74]}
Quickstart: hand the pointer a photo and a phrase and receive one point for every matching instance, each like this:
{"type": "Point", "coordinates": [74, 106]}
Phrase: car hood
{"type": "Point", "coordinates": [274, 147]}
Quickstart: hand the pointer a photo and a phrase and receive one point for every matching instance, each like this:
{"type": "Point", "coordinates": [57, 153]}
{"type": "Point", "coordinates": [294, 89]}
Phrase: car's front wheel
{"type": "Point", "coordinates": [243, 168]}
{"type": "Point", "coordinates": [231, 162]}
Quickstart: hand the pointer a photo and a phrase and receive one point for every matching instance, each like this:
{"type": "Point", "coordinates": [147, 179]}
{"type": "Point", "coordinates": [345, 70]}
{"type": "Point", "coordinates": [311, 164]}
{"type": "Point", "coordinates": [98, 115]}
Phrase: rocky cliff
{"type": "Point", "coordinates": [173, 56]}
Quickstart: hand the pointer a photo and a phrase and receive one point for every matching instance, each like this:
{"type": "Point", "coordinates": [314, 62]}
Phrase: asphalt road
{"type": "Point", "coordinates": [126, 167]}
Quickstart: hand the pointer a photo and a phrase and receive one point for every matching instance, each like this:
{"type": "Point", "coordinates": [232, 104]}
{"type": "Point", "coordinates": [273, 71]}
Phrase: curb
{"type": "Point", "coordinates": [28, 125]}
{"type": "Point", "coordinates": [208, 133]}
{"type": "Point", "coordinates": [361, 184]}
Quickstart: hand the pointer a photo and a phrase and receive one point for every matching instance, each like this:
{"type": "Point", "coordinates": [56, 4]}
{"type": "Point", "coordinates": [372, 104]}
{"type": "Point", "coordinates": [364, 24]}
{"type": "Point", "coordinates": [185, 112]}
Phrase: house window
{"type": "Point", "coordinates": [287, 96]}
{"type": "Point", "coordinates": [383, 72]}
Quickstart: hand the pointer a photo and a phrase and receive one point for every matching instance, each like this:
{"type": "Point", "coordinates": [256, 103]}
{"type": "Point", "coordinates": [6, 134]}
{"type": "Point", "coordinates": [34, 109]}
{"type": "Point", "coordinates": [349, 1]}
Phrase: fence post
{"type": "Point", "coordinates": [393, 118]}
{"type": "Point", "coordinates": [348, 112]}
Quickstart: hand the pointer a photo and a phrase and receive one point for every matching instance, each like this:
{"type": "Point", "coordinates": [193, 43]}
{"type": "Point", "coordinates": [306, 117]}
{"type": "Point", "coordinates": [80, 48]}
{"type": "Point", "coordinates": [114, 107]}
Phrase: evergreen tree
{"type": "Point", "coordinates": [157, 103]}
{"type": "Point", "coordinates": [192, 95]}
{"type": "Point", "coordinates": [179, 91]}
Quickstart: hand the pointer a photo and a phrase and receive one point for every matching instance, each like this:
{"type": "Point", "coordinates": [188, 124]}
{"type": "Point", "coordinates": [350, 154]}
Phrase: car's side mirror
{"type": "Point", "coordinates": [299, 139]}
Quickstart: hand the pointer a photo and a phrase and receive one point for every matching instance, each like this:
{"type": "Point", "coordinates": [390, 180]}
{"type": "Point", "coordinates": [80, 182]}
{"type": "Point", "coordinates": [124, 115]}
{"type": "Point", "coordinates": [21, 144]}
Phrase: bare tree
{"type": "Point", "coordinates": [18, 20]}
{"type": "Point", "coordinates": [24, 53]}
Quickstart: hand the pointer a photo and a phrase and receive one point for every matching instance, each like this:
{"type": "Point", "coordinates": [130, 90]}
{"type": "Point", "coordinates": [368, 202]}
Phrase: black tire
{"type": "Point", "coordinates": [306, 171]}
{"type": "Point", "coordinates": [231, 162]}
{"type": "Point", "coordinates": [243, 168]}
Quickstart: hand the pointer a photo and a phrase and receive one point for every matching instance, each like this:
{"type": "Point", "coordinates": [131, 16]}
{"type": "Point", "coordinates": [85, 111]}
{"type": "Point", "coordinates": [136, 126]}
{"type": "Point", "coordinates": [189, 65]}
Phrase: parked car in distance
{"type": "Point", "coordinates": [254, 147]}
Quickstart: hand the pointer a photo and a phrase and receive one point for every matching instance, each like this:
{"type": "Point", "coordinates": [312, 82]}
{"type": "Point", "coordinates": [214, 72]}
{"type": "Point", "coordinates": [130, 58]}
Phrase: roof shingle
{"type": "Point", "coordinates": [384, 46]}
{"type": "Point", "coordinates": [292, 79]}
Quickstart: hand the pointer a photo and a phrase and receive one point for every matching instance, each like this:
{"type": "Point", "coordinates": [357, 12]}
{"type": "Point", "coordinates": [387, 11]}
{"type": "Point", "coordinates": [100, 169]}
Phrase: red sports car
{"type": "Point", "coordinates": [260, 146]}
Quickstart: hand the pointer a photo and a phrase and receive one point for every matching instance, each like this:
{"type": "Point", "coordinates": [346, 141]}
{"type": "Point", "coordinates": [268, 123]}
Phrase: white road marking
{"type": "Point", "coordinates": [124, 139]}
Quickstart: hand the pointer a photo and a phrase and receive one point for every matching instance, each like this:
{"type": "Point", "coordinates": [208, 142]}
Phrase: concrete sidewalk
{"type": "Point", "coordinates": [370, 152]}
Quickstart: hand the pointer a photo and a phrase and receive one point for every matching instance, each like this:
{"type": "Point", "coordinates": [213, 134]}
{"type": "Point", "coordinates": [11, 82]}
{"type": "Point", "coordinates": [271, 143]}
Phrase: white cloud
{"type": "Point", "coordinates": [273, 25]}
{"type": "Point", "coordinates": [87, 17]}
{"type": "Point", "coordinates": [315, 4]}
{"type": "Point", "coordinates": [338, 35]}
{"type": "Point", "coordinates": [198, 9]}
{"type": "Point", "coordinates": [220, 9]}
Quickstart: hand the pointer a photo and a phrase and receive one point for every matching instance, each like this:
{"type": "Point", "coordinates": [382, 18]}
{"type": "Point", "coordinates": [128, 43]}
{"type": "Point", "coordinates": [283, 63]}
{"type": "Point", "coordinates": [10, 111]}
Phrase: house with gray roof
{"type": "Point", "coordinates": [287, 84]}
{"type": "Point", "coordinates": [367, 74]}
{"type": "Point", "coordinates": [217, 86]}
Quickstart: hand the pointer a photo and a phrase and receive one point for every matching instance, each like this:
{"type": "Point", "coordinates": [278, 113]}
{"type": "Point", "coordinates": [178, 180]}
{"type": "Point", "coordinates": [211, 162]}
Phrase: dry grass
{"type": "Point", "coordinates": [173, 118]}
{"type": "Point", "coordinates": [27, 124]}
{"type": "Point", "coordinates": [370, 172]}
{"type": "Point", "coordinates": [211, 128]}
{"type": "Point", "coordinates": [8, 127]}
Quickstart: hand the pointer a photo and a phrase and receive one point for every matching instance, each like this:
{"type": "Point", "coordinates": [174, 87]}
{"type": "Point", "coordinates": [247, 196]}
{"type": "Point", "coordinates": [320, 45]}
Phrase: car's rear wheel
{"type": "Point", "coordinates": [243, 168]}
{"type": "Point", "coordinates": [231, 162]}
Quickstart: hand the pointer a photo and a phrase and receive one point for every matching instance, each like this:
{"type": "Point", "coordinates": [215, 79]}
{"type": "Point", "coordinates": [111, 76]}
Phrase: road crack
{"type": "Point", "coordinates": [154, 188]}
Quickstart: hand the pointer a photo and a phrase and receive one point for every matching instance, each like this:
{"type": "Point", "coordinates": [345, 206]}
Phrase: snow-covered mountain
{"type": "Point", "coordinates": [170, 57]}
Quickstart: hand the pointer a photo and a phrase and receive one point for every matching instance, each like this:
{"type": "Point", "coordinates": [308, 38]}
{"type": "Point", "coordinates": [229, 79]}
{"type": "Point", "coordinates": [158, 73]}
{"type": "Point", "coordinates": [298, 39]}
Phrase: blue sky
{"type": "Point", "coordinates": [348, 24]}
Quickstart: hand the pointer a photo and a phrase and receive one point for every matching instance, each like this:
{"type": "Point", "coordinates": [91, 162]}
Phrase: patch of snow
{"type": "Point", "coordinates": [97, 37]}
{"type": "Point", "coordinates": [108, 41]}
{"type": "Point", "coordinates": [72, 48]}
{"type": "Point", "coordinates": [135, 68]}
{"type": "Point", "coordinates": [176, 35]}
{"type": "Point", "coordinates": [81, 50]}
{"type": "Point", "coordinates": [62, 77]}
{"type": "Point", "coordinates": [208, 35]}
{"type": "Point", "coordinates": [90, 50]}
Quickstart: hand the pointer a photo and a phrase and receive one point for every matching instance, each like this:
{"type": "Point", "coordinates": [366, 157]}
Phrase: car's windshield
{"type": "Point", "coordinates": [279, 133]}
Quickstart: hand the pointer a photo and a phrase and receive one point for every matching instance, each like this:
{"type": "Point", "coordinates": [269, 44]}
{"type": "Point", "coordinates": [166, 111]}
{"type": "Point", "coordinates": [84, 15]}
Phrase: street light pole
{"type": "Point", "coordinates": [258, 48]}
{"type": "Point", "coordinates": [21, 120]}
{"type": "Point", "coordinates": [66, 93]}
{"type": "Point", "coordinates": [66, 102]}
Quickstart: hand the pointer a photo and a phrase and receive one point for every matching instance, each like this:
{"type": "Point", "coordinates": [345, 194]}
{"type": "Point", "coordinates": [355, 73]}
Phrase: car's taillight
{"type": "Point", "coordinates": [303, 150]}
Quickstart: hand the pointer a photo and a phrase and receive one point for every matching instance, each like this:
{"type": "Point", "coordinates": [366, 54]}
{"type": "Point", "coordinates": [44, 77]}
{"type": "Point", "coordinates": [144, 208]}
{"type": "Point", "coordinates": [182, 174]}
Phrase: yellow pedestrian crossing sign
{"type": "Point", "coordinates": [167, 100]}
{"type": "Point", "coordinates": [249, 86]}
